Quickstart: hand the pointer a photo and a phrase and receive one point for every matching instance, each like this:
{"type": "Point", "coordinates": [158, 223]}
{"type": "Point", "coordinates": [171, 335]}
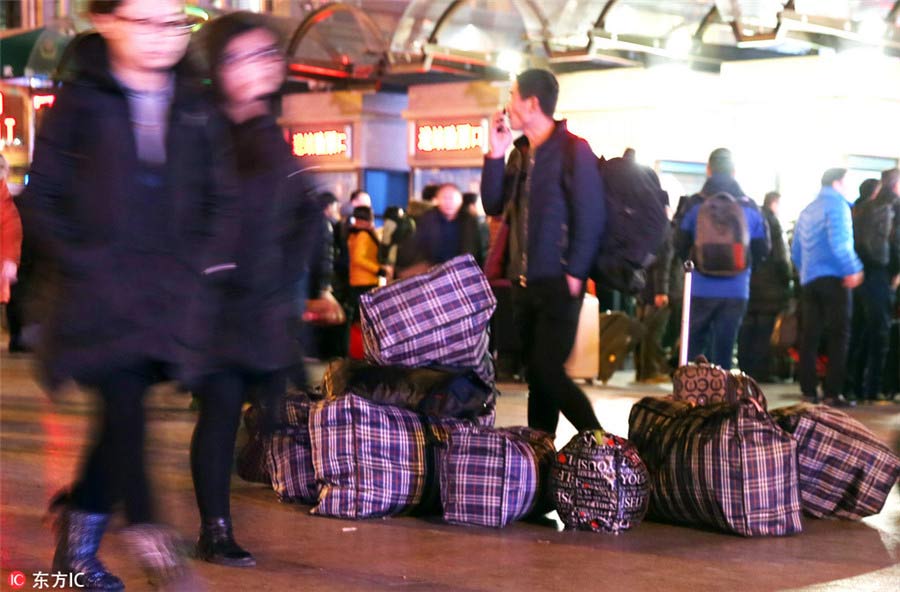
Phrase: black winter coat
{"type": "Point", "coordinates": [428, 236]}
{"type": "Point", "coordinates": [770, 280]}
{"type": "Point", "coordinates": [128, 255]}
{"type": "Point", "coordinates": [563, 232]}
{"type": "Point", "coordinates": [250, 319]}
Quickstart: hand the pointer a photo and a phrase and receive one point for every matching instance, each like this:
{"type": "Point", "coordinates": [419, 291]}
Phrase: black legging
{"type": "Point", "coordinates": [115, 467]}
{"type": "Point", "coordinates": [221, 397]}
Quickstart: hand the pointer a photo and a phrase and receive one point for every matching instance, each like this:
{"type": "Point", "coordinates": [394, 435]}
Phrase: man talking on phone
{"type": "Point", "coordinates": [551, 193]}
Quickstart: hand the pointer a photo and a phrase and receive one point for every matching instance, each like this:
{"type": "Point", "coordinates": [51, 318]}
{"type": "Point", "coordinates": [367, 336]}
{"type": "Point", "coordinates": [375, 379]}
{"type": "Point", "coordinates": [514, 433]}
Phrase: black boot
{"type": "Point", "coordinates": [78, 538]}
{"type": "Point", "coordinates": [217, 545]}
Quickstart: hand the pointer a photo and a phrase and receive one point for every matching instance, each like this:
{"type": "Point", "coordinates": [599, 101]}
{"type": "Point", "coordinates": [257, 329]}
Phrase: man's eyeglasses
{"type": "Point", "coordinates": [173, 27]}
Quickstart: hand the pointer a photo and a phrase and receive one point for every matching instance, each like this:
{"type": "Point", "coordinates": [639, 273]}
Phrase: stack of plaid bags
{"type": "Point", "coordinates": [725, 462]}
{"type": "Point", "coordinates": [410, 430]}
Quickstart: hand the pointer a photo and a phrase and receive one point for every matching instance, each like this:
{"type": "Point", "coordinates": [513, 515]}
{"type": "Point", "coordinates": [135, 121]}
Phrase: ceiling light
{"type": "Point", "coordinates": [509, 61]}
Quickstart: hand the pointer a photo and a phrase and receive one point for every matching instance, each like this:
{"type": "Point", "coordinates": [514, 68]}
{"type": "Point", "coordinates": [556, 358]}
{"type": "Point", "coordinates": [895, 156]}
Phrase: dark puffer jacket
{"type": "Point", "coordinates": [429, 236]}
{"type": "Point", "coordinates": [128, 253]}
{"type": "Point", "coordinates": [563, 232]}
{"type": "Point", "coordinates": [250, 319]}
{"type": "Point", "coordinates": [770, 282]}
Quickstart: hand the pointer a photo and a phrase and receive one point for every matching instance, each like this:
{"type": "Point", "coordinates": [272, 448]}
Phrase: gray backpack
{"type": "Point", "coordinates": [721, 239]}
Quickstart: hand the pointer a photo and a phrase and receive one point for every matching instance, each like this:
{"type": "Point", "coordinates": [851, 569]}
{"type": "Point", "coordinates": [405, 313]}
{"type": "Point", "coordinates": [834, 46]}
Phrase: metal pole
{"type": "Point", "coordinates": [686, 313]}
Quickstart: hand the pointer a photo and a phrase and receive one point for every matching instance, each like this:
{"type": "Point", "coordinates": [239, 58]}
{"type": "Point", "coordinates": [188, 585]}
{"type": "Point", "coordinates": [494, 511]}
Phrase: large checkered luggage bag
{"type": "Point", "coordinates": [600, 483]}
{"type": "Point", "coordinates": [438, 318]}
{"type": "Point", "coordinates": [845, 471]}
{"type": "Point", "coordinates": [724, 466]}
{"type": "Point", "coordinates": [373, 460]}
{"type": "Point", "coordinates": [491, 477]}
{"type": "Point", "coordinates": [289, 459]}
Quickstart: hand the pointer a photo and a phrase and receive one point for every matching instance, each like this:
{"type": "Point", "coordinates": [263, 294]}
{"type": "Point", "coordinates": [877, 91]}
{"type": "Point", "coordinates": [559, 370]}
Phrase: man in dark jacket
{"type": "Point", "coordinates": [876, 224]}
{"type": "Point", "coordinates": [130, 196]}
{"type": "Point", "coordinates": [856, 351]}
{"type": "Point", "coordinates": [553, 240]}
{"type": "Point", "coordinates": [449, 229]}
{"type": "Point", "coordinates": [718, 303]}
{"type": "Point", "coordinates": [770, 290]}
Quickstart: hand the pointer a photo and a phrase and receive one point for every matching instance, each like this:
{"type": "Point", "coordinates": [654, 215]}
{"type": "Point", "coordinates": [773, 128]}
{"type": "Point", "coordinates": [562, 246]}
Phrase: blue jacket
{"type": "Point", "coordinates": [823, 239]}
{"type": "Point", "coordinates": [563, 231]}
{"type": "Point", "coordinates": [705, 286]}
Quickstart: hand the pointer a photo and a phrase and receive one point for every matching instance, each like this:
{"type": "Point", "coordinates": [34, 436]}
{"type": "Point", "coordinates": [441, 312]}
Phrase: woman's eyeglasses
{"type": "Point", "coordinates": [172, 27]}
{"type": "Point", "coordinates": [265, 54]}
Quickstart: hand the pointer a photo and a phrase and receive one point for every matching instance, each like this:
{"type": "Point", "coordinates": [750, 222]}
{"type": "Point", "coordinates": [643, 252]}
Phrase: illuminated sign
{"type": "Point", "coordinates": [451, 137]}
{"type": "Point", "coordinates": [9, 123]}
{"type": "Point", "coordinates": [41, 101]}
{"type": "Point", "coordinates": [328, 143]}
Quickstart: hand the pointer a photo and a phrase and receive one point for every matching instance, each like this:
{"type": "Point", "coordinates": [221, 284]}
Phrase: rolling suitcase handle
{"type": "Point", "coordinates": [686, 313]}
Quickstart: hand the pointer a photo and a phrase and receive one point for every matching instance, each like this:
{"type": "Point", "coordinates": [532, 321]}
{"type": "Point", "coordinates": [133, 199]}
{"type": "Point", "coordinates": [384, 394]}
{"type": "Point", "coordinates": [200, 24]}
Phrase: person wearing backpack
{"type": "Point", "coordinates": [876, 224]}
{"type": "Point", "coordinates": [556, 226]}
{"type": "Point", "coordinates": [723, 232]}
{"type": "Point", "coordinates": [829, 269]}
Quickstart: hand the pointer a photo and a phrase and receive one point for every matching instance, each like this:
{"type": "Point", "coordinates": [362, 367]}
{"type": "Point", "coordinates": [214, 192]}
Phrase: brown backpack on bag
{"type": "Point", "coordinates": [700, 383]}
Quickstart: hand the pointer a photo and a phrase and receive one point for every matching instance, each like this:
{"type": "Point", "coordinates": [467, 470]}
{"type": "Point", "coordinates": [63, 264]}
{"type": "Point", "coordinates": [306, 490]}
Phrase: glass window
{"type": "Point", "coordinates": [857, 10]}
{"type": "Point", "coordinates": [860, 168]}
{"type": "Point", "coordinates": [654, 18]}
{"type": "Point", "coordinates": [340, 183]}
{"type": "Point", "coordinates": [681, 178]}
{"type": "Point", "coordinates": [344, 38]}
{"type": "Point", "coordinates": [487, 26]}
{"type": "Point", "coordinates": [465, 179]}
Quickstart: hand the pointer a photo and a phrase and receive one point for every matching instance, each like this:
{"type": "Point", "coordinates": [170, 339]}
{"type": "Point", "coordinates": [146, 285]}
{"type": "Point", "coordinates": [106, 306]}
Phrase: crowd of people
{"type": "Point", "coordinates": [185, 243]}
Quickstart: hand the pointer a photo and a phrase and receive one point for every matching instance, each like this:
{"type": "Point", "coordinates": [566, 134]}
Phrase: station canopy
{"type": "Point", "coordinates": [402, 42]}
{"type": "Point", "coordinates": [396, 41]}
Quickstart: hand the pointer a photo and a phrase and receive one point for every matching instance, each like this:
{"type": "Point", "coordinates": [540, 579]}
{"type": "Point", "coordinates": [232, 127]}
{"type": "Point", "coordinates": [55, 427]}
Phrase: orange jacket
{"type": "Point", "coordinates": [363, 249]}
{"type": "Point", "coordinates": [10, 227]}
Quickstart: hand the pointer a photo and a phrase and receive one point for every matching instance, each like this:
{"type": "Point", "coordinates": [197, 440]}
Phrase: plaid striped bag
{"type": "Point", "coordinates": [729, 467]}
{"type": "Point", "coordinates": [373, 460]}
{"type": "Point", "coordinates": [289, 461]}
{"type": "Point", "coordinates": [600, 483]}
{"type": "Point", "coordinates": [438, 318]}
{"type": "Point", "coordinates": [492, 477]}
{"type": "Point", "coordinates": [845, 472]}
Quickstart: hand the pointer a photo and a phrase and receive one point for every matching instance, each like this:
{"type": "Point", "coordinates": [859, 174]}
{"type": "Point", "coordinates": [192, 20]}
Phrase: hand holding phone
{"type": "Point", "coordinates": [500, 136]}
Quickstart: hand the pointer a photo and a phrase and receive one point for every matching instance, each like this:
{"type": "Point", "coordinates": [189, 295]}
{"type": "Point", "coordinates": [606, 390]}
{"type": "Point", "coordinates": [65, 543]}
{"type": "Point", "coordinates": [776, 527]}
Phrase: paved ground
{"type": "Point", "coordinates": [41, 444]}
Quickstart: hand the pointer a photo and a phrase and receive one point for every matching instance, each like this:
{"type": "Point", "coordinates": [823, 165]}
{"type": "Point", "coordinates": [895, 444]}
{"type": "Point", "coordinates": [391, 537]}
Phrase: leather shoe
{"type": "Point", "coordinates": [216, 544]}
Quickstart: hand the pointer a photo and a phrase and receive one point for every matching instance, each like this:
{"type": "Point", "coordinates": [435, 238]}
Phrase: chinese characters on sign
{"type": "Point", "coordinates": [329, 142]}
{"type": "Point", "coordinates": [451, 137]}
